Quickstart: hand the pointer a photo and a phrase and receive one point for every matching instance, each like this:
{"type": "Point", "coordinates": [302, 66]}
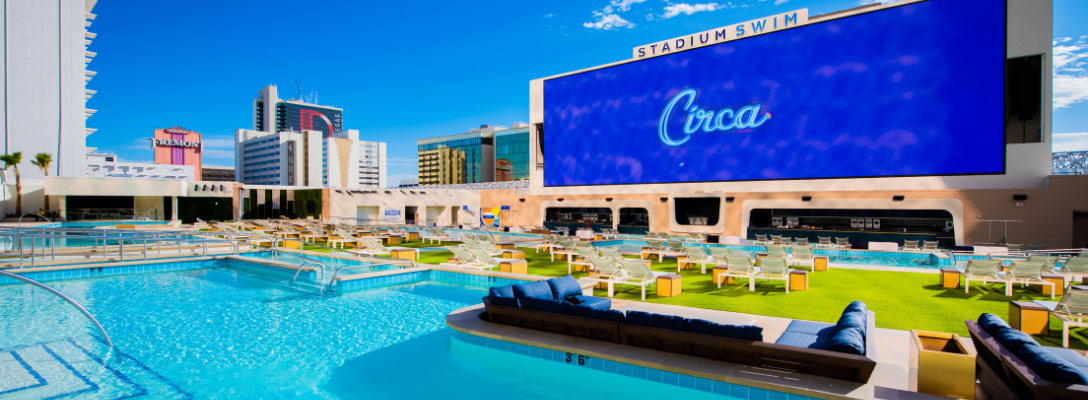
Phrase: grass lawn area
{"type": "Point", "coordinates": [901, 300]}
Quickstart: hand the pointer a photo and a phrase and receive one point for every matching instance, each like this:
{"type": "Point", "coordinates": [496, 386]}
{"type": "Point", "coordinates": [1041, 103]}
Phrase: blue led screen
{"type": "Point", "coordinates": [911, 90]}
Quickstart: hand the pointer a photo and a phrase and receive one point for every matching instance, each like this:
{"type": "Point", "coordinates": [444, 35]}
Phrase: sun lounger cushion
{"type": "Point", "coordinates": [546, 305]}
{"type": "Point", "coordinates": [538, 290]}
{"type": "Point", "coordinates": [1050, 366]}
{"type": "Point", "coordinates": [1070, 355]}
{"type": "Point", "coordinates": [656, 320]}
{"type": "Point", "coordinates": [503, 296]}
{"type": "Point", "coordinates": [1012, 339]}
{"type": "Point", "coordinates": [603, 303]}
{"type": "Point", "coordinates": [754, 333]}
{"type": "Point", "coordinates": [597, 313]}
{"type": "Point", "coordinates": [564, 286]}
{"type": "Point", "coordinates": [846, 339]}
{"type": "Point", "coordinates": [991, 323]}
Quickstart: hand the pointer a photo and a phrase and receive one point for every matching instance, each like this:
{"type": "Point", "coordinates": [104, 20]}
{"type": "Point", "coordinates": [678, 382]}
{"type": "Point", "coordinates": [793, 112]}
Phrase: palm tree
{"type": "Point", "coordinates": [13, 160]}
{"type": "Point", "coordinates": [42, 161]}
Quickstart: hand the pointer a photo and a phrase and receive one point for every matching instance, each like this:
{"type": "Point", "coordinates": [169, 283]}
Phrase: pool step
{"type": "Point", "coordinates": [66, 368]}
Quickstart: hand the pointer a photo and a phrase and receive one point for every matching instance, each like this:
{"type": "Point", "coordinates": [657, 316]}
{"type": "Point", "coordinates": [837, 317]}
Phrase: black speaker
{"type": "Point", "coordinates": [1019, 197]}
{"type": "Point", "coordinates": [806, 198]}
{"type": "Point", "coordinates": [729, 199]}
{"type": "Point", "coordinates": [1024, 77]}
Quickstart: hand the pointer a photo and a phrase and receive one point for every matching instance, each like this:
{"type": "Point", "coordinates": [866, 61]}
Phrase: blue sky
{"type": "Point", "coordinates": [411, 70]}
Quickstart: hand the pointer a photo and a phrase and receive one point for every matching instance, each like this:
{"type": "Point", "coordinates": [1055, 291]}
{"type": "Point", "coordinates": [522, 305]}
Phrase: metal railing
{"type": "Point", "coordinates": [311, 262]}
{"type": "Point", "coordinates": [34, 215]}
{"type": "Point", "coordinates": [65, 298]}
{"type": "Point", "coordinates": [18, 239]}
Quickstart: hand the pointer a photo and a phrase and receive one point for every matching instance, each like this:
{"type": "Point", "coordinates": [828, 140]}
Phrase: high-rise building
{"type": "Point", "coordinates": [45, 83]}
{"type": "Point", "coordinates": [512, 154]}
{"type": "Point", "coordinates": [272, 114]}
{"type": "Point", "coordinates": [308, 158]}
{"type": "Point", "coordinates": [487, 154]}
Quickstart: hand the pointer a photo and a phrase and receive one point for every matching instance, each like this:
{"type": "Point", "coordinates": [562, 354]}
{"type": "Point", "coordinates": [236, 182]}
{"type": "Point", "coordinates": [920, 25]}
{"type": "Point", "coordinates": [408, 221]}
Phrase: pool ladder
{"type": "Point", "coordinates": [309, 263]}
{"type": "Point", "coordinates": [65, 298]}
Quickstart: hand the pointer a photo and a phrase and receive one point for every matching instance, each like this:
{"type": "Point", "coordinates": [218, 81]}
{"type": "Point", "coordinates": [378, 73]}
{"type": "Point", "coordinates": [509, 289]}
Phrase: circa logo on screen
{"type": "Point", "coordinates": [707, 120]}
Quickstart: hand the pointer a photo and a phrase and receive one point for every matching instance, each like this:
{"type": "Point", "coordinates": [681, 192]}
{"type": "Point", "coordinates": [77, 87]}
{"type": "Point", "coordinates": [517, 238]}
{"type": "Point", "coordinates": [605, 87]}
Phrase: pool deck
{"type": "Point", "coordinates": [889, 380]}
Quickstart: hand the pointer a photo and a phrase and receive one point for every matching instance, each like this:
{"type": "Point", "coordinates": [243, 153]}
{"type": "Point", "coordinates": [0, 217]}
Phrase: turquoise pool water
{"type": "Point", "coordinates": [223, 333]}
{"type": "Point", "coordinates": [852, 257]}
{"type": "Point", "coordinates": [110, 224]}
{"type": "Point", "coordinates": [331, 264]}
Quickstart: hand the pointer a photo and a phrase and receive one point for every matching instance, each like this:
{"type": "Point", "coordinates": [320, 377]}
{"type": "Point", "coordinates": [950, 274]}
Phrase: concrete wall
{"type": "Point", "coordinates": [346, 206]}
{"type": "Point", "coordinates": [1047, 215]}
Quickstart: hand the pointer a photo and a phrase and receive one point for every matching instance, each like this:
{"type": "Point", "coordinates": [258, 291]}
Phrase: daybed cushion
{"type": "Point", "coordinates": [846, 339]}
{"type": "Point", "coordinates": [809, 327]}
{"type": "Point", "coordinates": [1012, 339]}
{"type": "Point", "coordinates": [1050, 366]}
{"type": "Point", "coordinates": [502, 296]}
{"type": "Point", "coordinates": [656, 320]}
{"type": "Point", "coordinates": [590, 301]}
{"type": "Point", "coordinates": [748, 332]}
{"type": "Point", "coordinates": [537, 290]}
{"type": "Point", "coordinates": [802, 340]}
{"type": "Point", "coordinates": [597, 313]}
{"type": "Point", "coordinates": [547, 305]}
{"type": "Point", "coordinates": [991, 323]}
{"type": "Point", "coordinates": [564, 286]}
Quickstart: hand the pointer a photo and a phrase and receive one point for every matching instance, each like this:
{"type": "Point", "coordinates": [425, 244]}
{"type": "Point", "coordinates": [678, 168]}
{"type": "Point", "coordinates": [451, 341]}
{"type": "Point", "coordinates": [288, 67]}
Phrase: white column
{"type": "Point", "coordinates": [174, 207]}
{"type": "Point", "coordinates": [62, 208]}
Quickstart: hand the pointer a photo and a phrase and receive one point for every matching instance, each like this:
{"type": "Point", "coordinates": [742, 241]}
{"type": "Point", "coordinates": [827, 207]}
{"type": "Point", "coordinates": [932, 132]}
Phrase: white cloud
{"type": "Point", "coordinates": [549, 15]}
{"type": "Point", "coordinates": [673, 10]}
{"type": "Point", "coordinates": [624, 5]}
{"type": "Point", "coordinates": [780, 2]}
{"type": "Point", "coordinates": [1070, 77]}
{"type": "Point", "coordinates": [1070, 142]}
{"type": "Point", "coordinates": [608, 21]}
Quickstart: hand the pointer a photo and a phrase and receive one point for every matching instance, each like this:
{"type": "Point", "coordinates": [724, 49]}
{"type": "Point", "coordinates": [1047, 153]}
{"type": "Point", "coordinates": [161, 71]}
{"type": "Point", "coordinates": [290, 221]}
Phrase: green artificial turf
{"type": "Point", "coordinates": [901, 300]}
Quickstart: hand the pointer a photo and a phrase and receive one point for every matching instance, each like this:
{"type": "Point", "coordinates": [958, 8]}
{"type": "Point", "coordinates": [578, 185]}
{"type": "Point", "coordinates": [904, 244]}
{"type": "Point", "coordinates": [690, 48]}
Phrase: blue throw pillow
{"type": "Point", "coordinates": [546, 305]}
{"type": "Point", "coordinates": [854, 319]}
{"type": "Point", "coordinates": [991, 323]}
{"type": "Point", "coordinates": [748, 332]}
{"type": "Point", "coordinates": [1012, 339]}
{"type": "Point", "coordinates": [1050, 366]}
{"type": "Point", "coordinates": [846, 339]}
{"type": "Point", "coordinates": [656, 320]}
{"type": "Point", "coordinates": [597, 313]}
{"type": "Point", "coordinates": [537, 290]}
{"type": "Point", "coordinates": [564, 286]}
{"type": "Point", "coordinates": [502, 296]}
{"type": "Point", "coordinates": [857, 306]}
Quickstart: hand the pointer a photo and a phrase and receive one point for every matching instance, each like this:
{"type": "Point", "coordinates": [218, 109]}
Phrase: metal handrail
{"type": "Point", "coordinates": [311, 262]}
{"type": "Point", "coordinates": [337, 272]}
{"type": "Point", "coordinates": [33, 214]}
{"type": "Point", "coordinates": [120, 239]}
{"type": "Point", "coordinates": [66, 298]}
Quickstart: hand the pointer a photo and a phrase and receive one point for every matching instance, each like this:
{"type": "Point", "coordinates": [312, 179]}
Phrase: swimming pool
{"type": "Point", "coordinates": [835, 256]}
{"type": "Point", "coordinates": [331, 263]}
{"type": "Point", "coordinates": [106, 223]}
{"type": "Point", "coordinates": [218, 332]}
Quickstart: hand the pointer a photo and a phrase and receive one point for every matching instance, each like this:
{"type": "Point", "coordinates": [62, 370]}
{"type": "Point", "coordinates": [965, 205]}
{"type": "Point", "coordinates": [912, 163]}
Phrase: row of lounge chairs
{"type": "Point", "coordinates": [927, 245]}
{"type": "Point", "coordinates": [1026, 272]}
{"type": "Point", "coordinates": [765, 240]}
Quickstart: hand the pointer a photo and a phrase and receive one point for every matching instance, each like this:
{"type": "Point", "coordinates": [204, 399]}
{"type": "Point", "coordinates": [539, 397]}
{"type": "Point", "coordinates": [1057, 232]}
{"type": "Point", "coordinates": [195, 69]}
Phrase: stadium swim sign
{"type": "Point", "coordinates": [724, 34]}
{"type": "Point", "coordinates": [706, 120]}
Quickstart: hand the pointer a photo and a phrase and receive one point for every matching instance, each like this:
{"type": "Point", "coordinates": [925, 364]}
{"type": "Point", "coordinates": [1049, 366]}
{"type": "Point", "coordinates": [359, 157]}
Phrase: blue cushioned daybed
{"type": "Point", "coordinates": [840, 351]}
{"type": "Point", "coordinates": [1012, 365]}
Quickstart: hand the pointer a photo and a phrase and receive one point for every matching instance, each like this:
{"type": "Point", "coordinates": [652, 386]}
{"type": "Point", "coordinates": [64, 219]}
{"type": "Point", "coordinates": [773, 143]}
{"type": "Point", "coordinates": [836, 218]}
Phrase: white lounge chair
{"type": "Point", "coordinates": [696, 254]}
{"type": "Point", "coordinates": [1072, 309]}
{"type": "Point", "coordinates": [985, 271]}
{"type": "Point", "coordinates": [739, 267]}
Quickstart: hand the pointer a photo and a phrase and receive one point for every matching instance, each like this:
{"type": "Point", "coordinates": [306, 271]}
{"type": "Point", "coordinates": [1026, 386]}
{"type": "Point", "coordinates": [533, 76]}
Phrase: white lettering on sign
{"type": "Point", "coordinates": [724, 34]}
{"type": "Point", "coordinates": [174, 143]}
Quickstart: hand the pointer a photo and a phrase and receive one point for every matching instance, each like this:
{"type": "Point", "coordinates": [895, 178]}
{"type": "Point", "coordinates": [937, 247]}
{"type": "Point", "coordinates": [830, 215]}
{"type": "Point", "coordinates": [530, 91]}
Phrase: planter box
{"type": "Point", "coordinates": [941, 364]}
